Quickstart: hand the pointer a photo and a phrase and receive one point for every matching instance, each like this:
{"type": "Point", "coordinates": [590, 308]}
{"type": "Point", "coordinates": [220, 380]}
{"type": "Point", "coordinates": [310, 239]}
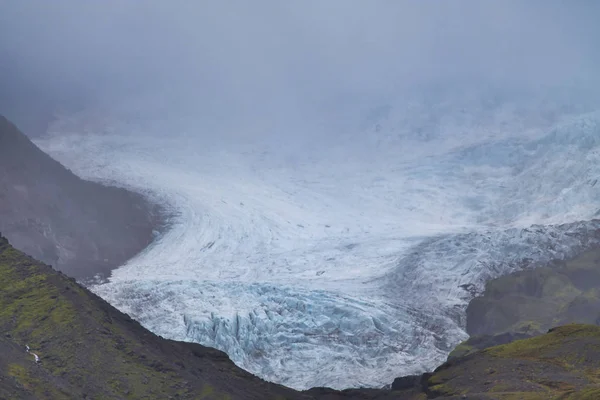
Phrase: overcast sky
{"type": "Point", "coordinates": [242, 58]}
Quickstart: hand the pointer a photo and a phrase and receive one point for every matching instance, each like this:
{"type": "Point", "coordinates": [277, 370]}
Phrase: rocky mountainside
{"type": "Point", "coordinates": [530, 302]}
{"type": "Point", "coordinates": [88, 349]}
{"type": "Point", "coordinates": [535, 300]}
{"type": "Point", "coordinates": [79, 227]}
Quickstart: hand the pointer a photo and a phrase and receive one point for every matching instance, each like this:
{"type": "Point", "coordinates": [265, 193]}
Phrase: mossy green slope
{"type": "Point", "coordinates": [562, 364]}
{"type": "Point", "coordinates": [88, 349]}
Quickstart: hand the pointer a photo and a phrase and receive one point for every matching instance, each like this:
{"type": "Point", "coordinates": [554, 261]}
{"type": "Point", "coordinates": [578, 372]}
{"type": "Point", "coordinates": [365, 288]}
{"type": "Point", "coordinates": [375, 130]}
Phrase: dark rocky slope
{"type": "Point", "coordinates": [534, 300]}
{"type": "Point", "coordinates": [529, 302]}
{"type": "Point", "coordinates": [79, 227]}
{"type": "Point", "coordinates": [88, 349]}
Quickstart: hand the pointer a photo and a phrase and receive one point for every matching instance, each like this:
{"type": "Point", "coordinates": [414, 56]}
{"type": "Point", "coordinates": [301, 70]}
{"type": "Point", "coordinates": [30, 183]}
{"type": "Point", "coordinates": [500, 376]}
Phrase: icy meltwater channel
{"type": "Point", "coordinates": [326, 268]}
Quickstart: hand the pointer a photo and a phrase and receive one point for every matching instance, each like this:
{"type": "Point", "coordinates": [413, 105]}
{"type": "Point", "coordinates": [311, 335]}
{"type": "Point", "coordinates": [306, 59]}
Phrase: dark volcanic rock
{"type": "Point", "coordinates": [79, 227]}
{"type": "Point", "coordinates": [362, 394]}
{"type": "Point", "coordinates": [406, 382]}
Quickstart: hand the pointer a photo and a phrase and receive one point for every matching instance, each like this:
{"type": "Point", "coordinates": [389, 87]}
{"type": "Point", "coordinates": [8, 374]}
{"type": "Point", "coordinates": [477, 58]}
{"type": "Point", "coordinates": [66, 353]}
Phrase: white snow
{"type": "Point", "coordinates": [340, 262]}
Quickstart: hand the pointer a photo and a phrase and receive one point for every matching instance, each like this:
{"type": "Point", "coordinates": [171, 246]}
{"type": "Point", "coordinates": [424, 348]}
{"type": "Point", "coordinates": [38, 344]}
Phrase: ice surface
{"type": "Point", "coordinates": [350, 261]}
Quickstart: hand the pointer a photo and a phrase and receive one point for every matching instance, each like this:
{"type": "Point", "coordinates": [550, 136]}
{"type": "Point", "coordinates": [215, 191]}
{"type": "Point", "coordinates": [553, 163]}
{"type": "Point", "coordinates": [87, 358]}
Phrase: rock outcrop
{"type": "Point", "coordinates": [535, 300]}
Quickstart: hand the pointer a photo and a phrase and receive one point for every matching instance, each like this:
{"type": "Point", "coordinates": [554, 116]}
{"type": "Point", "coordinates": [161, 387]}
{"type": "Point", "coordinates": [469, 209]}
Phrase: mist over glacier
{"type": "Point", "coordinates": [341, 178]}
{"type": "Point", "coordinates": [334, 267]}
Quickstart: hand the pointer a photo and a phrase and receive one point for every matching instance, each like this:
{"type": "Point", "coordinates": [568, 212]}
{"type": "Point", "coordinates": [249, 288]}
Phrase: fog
{"type": "Point", "coordinates": [340, 177]}
{"type": "Point", "coordinates": [270, 64]}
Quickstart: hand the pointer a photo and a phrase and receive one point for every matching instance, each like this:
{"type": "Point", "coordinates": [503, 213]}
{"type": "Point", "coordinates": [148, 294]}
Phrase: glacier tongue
{"type": "Point", "coordinates": [334, 268]}
{"type": "Point", "coordinates": [286, 334]}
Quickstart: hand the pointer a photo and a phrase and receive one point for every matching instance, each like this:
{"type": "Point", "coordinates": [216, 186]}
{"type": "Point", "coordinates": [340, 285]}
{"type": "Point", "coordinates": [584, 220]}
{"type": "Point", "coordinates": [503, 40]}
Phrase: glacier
{"type": "Point", "coordinates": [346, 261]}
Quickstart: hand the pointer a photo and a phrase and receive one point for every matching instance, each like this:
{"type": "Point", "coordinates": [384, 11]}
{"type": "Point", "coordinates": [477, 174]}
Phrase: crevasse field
{"type": "Point", "coordinates": [343, 257]}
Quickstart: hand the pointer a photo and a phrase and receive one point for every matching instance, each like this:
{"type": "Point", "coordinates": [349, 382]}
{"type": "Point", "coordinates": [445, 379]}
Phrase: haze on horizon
{"type": "Point", "coordinates": [276, 63]}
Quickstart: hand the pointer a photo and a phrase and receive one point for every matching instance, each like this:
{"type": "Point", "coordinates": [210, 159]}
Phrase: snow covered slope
{"type": "Point", "coordinates": [347, 261]}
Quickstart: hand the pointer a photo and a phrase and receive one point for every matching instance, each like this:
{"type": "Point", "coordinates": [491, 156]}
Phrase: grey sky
{"type": "Point", "coordinates": [247, 58]}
